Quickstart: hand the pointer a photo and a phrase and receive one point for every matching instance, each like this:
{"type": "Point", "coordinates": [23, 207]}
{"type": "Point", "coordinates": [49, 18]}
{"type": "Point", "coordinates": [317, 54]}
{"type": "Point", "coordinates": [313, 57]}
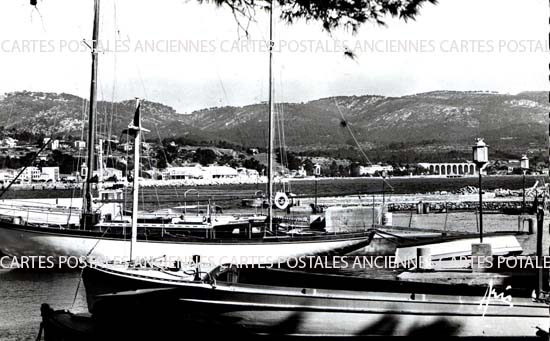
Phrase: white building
{"type": "Point", "coordinates": [8, 142]}
{"type": "Point", "coordinates": [6, 176]}
{"type": "Point", "coordinates": [79, 144]}
{"type": "Point", "coordinates": [54, 145]}
{"type": "Point", "coordinates": [245, 172]}
{"type": "Point", "coordinates": [110, 172]}
{"type": "Point", "coordinates": [49, 174]}
{"type": "Point", "coordinates": [451, 168]}
{"type": "Point", "coordinates": [298, 173]}
{"type": "Point", "coordinates": [206, 173]}
{"type": "Point", "coordinates": [186, 172]}
{"type": "Point", "coordinates": [372, 169]}
{"type": "Point", "coordinates": [220, 172]}
{"type": "Point", "coordinates": [125, 147]}
{"type": "Point", "coordinates": [316, 169]}
{"type": "Point", "coordinates": [31, 174]}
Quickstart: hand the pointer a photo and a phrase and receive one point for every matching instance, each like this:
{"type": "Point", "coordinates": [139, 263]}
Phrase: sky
{"type": "Point", "coordinates": [192, 56]}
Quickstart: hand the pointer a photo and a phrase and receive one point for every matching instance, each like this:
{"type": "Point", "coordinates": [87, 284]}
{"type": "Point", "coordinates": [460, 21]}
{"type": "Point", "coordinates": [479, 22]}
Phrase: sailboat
{"type": "Point", "coordinates": [247, 239]}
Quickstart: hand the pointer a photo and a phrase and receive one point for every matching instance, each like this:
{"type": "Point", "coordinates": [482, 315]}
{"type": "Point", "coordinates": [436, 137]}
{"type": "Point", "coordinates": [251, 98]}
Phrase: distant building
{"type": "Point", "coordinates": [450, 168]}
{"type": "Point", "coordinates": [8, 142]}
{"type": "Point", "coordinates": [83, 171]}
{"type": "Point", "coordinates": [6, 176]}
{"type": "Point", "coordinates": [31, 174]}
{"type": "Point", "coordinates": [206, 173]}
{"type": "Point", "coordinates": [317, 169]}
{"type": "Point", "coordinates": [183, 173]}
{"type": "Point", "coordinates": [49, 174]}
{"type": "Point", "coordinates": [108, 172]}
{"type": "Point", "coordinates": [53, 145]}
{"type": "Point", "coordinates": [245, 172]}
{"type": "Point", "coordinates": [79, 144]}
{"type": "Point", "coordinates": [218, 172]}
{"type": "Point", "coordinates": [125, 147]}
{"type": "Point", "coordinates": [373, 169]}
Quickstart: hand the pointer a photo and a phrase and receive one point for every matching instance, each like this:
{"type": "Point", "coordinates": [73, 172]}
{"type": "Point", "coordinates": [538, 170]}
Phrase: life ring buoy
{"type": "Point", "coordinates": [204, 219]}
{"type": "Point", "coordinates": [281, 201]}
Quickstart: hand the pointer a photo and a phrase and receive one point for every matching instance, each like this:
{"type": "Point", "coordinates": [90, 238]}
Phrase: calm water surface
{"type": "Point", "coordinates": [22, 293]}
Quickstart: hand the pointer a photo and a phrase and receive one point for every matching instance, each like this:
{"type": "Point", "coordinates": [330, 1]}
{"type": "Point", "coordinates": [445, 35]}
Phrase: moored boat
{"type": "Point", "coordinates": [243, 303]}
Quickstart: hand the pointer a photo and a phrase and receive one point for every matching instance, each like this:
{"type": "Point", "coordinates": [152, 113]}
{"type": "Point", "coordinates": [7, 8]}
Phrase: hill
{"type": "Point", "coordinates": [447, 120]}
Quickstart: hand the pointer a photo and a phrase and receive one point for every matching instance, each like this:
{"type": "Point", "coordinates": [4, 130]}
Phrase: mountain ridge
{"type": "Point", "coordinates": [445, 117]}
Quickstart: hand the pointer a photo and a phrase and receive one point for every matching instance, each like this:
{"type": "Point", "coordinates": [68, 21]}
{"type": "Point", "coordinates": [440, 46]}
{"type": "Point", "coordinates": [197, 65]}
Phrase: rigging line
{"type": "Point", "coordinates": [356, 141]}
{"type": "Point", "coordinates": [282, 149]}
{"type": "Point", "coordinates": [78, 162]}
{"type": "Point", "coordinates": [165, 157]}
{"type": "Point", "coordinates": [113, 90]}
{"type": "Point", "coordinates": [283, 121]}
{"type": "Point", "coordinates": [81, 271]}
{"type": "Point", "coordinates": [151, 167]}
{"type": "Point", "coordinates": [242, 134]}
{"type": "Point", "coordinates": [127, 159]}
{"type": "Point", "coordinates": [284, 139]}
{"type": "Point", "coordinates": [138, 164]}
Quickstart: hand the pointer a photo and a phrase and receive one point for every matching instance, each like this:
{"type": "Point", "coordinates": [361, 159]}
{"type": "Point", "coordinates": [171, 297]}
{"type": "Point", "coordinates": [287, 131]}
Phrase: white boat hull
{"type": "Point", "coordinates": [19, 242]}
{"type": "Point", "coordinates": [500, 245]}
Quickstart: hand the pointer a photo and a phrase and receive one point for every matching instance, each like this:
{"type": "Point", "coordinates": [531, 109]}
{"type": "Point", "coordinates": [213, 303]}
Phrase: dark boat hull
{"type": "Point", "coordinates": [312, 311]}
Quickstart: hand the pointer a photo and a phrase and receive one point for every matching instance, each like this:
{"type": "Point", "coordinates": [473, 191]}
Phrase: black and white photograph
{"type": "Point", "coordinates": [274, 169]}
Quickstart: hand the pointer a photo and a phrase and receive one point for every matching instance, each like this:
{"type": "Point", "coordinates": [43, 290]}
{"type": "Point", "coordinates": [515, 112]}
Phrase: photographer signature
{"type": "Point", "coordinates": [491, 295]}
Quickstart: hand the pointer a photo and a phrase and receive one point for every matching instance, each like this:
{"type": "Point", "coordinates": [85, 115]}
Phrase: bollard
{"type": "Point", "coordinates": [424, 258]}
{"type": "Point", "coordinates": [426, 208]}
{"type": "Point", "coordinates": [481, 257]}
{"type": "Point", "coordinates": [419, 207]}
{"type": "Point", "coordinates": [387, 219]}
{"type": "Point", "coordinates": [531, 225]}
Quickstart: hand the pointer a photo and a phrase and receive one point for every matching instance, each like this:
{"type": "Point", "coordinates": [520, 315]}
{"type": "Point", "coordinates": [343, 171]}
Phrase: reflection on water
{"type": "Point", "coordinates": [22, 293]}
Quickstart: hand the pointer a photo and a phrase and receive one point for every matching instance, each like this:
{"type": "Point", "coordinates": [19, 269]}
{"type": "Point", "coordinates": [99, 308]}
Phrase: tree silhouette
{"type": "Point", "coordinates": [331, 13]}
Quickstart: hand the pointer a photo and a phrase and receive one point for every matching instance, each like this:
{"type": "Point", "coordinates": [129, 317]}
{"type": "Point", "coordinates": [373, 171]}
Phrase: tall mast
{"type": "Point", "coordinates": [135, 128]}
{"type": "Point", "coordinates": [271, 127]}
{"type": "Point", "coordinates": [92, 112]}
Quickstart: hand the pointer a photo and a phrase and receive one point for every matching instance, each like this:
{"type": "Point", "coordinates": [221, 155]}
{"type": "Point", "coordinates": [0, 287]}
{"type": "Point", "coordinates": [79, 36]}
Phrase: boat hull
{"type": "Point", "coordinates": [307, 311]}
{"type": "Point", "coordinates": [66, 244]}
{"type": "Point", "coordinates": [462, 247]}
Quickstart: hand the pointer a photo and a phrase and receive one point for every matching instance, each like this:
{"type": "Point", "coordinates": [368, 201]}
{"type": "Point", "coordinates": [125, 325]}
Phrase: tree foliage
{"type": "Point", "coordinates": [332, 14]}
{"type": "Point", "coordinates": [205, 156]}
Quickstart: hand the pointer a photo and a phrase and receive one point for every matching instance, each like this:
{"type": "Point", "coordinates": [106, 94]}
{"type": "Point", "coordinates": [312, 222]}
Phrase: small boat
{"type": "Point", "coordinates": [502, 244]}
